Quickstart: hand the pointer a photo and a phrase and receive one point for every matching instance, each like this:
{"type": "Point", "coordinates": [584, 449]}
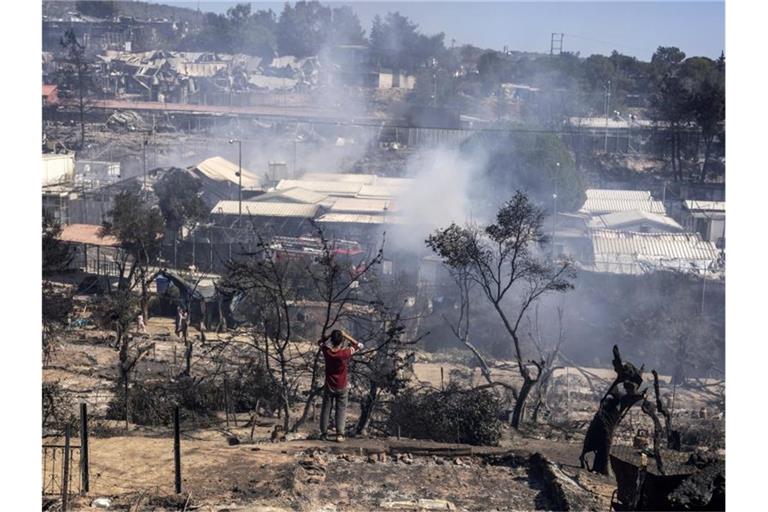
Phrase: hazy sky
{"type": "Point", "coordinates": [633, 28]}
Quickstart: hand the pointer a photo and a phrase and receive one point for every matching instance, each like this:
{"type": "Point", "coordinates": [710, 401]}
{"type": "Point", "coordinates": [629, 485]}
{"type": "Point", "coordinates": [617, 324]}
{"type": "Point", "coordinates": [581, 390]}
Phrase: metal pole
{"type": "Point", "coordinates": [607, 105]}
{"type": "Point", "coordinates": [65, 472]}
{"type": "Point", "coordinates": [177, 449]}
{"type": "Point", "coordinates": [144, 162]}
{"type": "Point", "coordinates": [84, 477]}
{"type": "Point", "coordinates": [554, 209]}
{"type": "Point", "coordinates": [239, 182]}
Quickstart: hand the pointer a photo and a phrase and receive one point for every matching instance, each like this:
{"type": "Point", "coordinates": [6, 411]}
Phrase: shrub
{"type": "Point", "coordinates": [455, 415]}
{"type": "Point", "coordinates": [251, 384]}
{"type": "Point", "coordinates": [152, 403]}
{"type": "Point", "coordinates": [58, 408]}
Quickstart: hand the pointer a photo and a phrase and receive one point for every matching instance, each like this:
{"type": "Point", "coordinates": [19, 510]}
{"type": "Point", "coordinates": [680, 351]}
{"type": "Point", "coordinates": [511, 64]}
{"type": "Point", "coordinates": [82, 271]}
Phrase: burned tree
{"type": "Point", "coordinates": [269, 286]}
{"type": "Point", "coordinates": [501, 260]}
{"type": "Point", "coordinates": [383, 367]}
{"type": "Point", "coordinates": [57, 301]}
{"type": "Point", "coordinates": [117, 311]}
{"type": "Point", "coordinates": [617, 401]}
{"type": "Point", "coordinates": [548, 357]}
{"type": "Point", "coordinates": [338, 283]}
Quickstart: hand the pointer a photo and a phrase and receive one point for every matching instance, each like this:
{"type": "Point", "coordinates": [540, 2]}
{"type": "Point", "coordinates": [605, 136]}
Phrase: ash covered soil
{"type": "Point", "coordinates": [134, 467]}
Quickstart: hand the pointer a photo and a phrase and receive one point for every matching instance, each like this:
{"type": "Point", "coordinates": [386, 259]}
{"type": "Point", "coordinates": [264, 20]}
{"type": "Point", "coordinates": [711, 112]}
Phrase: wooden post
{"type": "Point", "coordinates": [177, 449]}
{"type": "Point", "coordinates": [65, 472]}
{"type": "Point", "coordinates": [226, 401]}
{"type": "Point", "coordinates": [84, 462]}
{"type": "Point", "coordinates": [442, 380]}
{"type": "Point", "coordinates": [567, 391]}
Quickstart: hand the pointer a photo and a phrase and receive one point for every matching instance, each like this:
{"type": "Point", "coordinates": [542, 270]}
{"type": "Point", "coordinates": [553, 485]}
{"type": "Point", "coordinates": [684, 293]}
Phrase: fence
{"type": "Point", "coordinates": [66, 467]}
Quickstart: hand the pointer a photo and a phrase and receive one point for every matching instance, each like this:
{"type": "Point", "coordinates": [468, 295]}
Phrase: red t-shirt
{"type": "Point", "coordinates": [336, 366]}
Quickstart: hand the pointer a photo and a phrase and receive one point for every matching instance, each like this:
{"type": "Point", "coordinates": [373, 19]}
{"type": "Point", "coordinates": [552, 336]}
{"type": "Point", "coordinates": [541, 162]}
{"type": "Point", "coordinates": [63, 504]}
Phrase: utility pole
{"type": "Point", "coordinates": [607, 106]}
{"type": "Point", "coordinates": [144, 161]}
{"type": "Point", "coordinates": [556, 43]}
{"type": "Point", "coordinates": [554, 209]}
{"type": "Point", "coordinates": [239, 179]}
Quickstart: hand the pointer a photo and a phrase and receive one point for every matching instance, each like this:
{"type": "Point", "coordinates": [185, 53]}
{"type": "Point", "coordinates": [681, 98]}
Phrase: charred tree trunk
{"type": "Point", "coordinates": [672, 435]}
{"type": "Point", "coordinates": [187, 357]}
{"type": "Point", "coordinates": [518, 412]}
{"type": "Point", "coordinates": [366, 409]}
{"type": "Point", "coordinates": [618, 400]}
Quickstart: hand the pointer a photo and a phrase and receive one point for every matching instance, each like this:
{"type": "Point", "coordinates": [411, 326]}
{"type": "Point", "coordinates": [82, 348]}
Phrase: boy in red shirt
{"type": "Point", "coordinates": [336, 379]}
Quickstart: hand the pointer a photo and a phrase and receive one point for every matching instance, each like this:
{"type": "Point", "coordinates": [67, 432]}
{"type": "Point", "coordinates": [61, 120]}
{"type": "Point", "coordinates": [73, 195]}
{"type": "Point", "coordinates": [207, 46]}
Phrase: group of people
{"type": "Point", "coordinates": [182, 323]}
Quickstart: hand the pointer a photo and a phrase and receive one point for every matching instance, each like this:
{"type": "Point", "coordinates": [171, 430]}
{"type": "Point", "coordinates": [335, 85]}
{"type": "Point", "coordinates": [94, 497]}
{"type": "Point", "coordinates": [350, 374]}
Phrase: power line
{"type": "Point", "coordinates": [611, 43]}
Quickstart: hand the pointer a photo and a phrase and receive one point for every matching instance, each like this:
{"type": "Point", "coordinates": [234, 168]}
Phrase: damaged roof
{"type": "Point", "coordinates": [617, 220]}
{"type": "Point", "coordinates": [221, 170]}
{"type": "Point", "coordinates": [266, 209]}
{"type": "Point", "coordinates": [635, 253]}
{"type": "Point", "coordinates": [709, 206]}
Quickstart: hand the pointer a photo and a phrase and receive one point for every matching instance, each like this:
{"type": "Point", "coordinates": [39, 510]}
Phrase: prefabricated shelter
{"type": "Point", "coordinates": [600, 201]}
{"type": "Point", "coordinates": [266, 218]}
{"type": "Point", "coordinates": [58, 168]}
{"type": "Point", "coordinates": [706, 218]}
{"type": "Point", "coordinates": [622, 252]}
{"type": "Point", "coordinates": [635, 221]}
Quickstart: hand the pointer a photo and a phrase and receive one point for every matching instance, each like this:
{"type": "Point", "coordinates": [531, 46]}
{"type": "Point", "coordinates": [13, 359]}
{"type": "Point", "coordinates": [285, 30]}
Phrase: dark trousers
{"type": "Point", "coordinates": [340, 397]}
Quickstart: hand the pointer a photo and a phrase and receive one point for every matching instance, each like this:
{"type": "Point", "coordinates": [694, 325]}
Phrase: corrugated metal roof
{"type": "Point", "coordinates": [368, 179]}
{"type": "Point", "coordinates": [360, 218]}
{"type": "Point", "coordinates": [608, 193]}
{"type": "Point", "coordinates": [394, 182]}
{"type": "Point", "coordinates": [328, 187]}
{"type": "Point", "coordinates": [86, 234]}
{"type": "Point", "coordinates": [219, 169]}
{"type": "Point", "coordinates": [296, 194]}
{"type": "Point", "coordinates": [266, 209]}
{"type": "Point", "coordinates": [598, 205]}
{"type": "Point", "coordinates": [634, 253]}
{"type": "Point", "coordinates": [379, 191]}
{"type": "Point", "coordinates": [616, 220]}
{"type": "Point", "coordinates": [354, 204]}
{"type": "Point", "coordinates": [710, 206]}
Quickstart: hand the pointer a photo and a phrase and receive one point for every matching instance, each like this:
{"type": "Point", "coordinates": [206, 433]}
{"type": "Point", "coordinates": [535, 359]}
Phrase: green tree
{"type": "Point", "coordinates": [538, 163]}
{"type": "Point", "coordinates": [75, 76]}
{"type": "Point", "coordinates": [56, 254]}
{"type": "Point", "coordinates": [106, 9]}
{"type": "Point", "coordinates": [302, 29]}
{"type": "Point", "coordinates": [180, 201]}
{"type": "Point", "coordinates": [395, 42]}
{"type": "Point", "coordinates": [139, 228]}
{"type": "Point", "coordinates": [345, 27]}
